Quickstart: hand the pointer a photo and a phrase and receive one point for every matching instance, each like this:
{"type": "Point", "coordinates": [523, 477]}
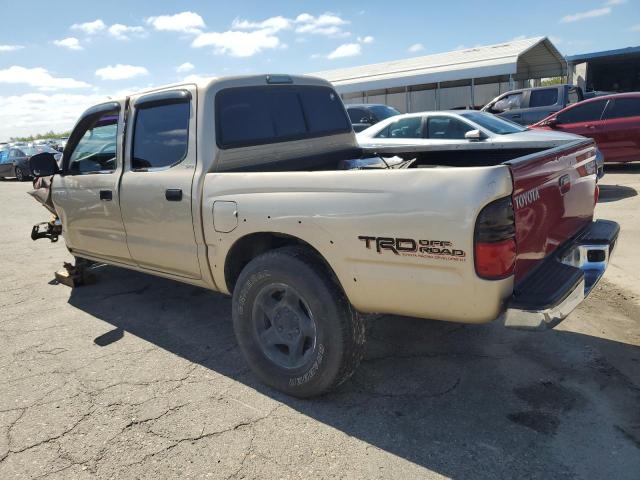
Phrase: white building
{"type": "Point", "coordinates": [450, 80]}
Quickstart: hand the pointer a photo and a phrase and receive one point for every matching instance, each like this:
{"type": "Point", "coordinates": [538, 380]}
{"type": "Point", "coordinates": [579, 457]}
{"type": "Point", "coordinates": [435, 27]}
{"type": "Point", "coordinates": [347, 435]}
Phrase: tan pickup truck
{"type": "Point", "coordinates": [255, 187]}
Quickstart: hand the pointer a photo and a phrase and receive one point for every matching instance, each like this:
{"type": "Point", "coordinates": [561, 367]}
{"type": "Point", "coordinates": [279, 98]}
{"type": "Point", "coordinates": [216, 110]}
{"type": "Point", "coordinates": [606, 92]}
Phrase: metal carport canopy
{"type": "Point", "coordinates": [526, 58]}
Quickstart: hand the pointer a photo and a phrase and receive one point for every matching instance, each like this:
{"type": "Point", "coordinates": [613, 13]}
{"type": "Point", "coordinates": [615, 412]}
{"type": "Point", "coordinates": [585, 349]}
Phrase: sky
{"type": "Point", "coordinates": [59, 58]}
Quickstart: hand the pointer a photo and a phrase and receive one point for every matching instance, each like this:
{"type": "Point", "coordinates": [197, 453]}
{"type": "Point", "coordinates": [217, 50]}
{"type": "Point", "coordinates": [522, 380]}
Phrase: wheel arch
{"type": "Point", "coordinates": [248, 247]}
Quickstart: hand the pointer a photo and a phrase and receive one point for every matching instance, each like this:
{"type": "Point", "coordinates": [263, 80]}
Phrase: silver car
{"type": "Point", "coordinates": [467, 130]}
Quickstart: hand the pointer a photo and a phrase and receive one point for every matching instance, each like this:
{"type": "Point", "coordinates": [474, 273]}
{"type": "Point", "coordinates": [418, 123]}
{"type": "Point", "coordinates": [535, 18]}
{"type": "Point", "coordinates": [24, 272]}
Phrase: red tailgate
{"type": "Point", "coordinates": [553, 199]}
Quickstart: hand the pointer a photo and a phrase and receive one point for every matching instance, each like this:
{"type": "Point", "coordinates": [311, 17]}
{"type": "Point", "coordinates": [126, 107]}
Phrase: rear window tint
{"type": "Point", "coordinates": [248, 116]}
{"type": "Point", "coordinates": [623, 107]}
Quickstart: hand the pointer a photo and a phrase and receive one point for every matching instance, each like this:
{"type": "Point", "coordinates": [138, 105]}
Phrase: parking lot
{"type": "Point", "coordinates": [137, 377]}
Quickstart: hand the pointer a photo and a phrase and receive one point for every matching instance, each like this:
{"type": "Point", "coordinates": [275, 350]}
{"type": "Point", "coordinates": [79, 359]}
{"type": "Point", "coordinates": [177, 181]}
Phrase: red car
{"type": "Point", "coordinates": [613, 121]}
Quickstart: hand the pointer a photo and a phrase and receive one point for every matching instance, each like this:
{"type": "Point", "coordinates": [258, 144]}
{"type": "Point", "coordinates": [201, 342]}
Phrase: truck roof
{"type": "Point", "coordinates": [204, 84]}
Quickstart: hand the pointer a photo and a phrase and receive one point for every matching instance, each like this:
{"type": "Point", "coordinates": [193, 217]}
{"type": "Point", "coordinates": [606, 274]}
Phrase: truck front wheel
{"type": "Point", "coordinates": [294, 324]}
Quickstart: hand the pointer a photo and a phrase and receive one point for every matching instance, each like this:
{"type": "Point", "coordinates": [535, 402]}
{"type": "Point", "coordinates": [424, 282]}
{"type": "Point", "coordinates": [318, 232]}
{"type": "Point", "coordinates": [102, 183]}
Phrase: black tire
{"type": "Point", "coordinates": [338, 331]}
{"type": "Point", "coordinates": [20, 175]}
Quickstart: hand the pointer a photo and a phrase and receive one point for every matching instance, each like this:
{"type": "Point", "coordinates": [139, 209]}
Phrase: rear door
{"type": "Point", "coordinates": [620, 131]}
{"type": "Point", "coordinates": [553, 199]}
{"type": "Point", "coordinates": [156, 194]}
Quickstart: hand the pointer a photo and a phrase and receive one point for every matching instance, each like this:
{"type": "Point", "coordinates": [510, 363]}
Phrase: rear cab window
{"type": "Point", "coordinates": [249, 116]}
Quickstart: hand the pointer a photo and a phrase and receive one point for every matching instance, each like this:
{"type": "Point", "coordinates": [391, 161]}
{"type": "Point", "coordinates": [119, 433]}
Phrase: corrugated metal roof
{"type": "Point", "coordinates": [477, 62]}
{"type": "Point", "coordinates": [607, 53]}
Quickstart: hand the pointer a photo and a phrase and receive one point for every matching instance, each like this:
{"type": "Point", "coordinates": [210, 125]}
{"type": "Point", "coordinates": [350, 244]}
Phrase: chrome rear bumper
{"type": "Point", "coordinates": [576, 270]}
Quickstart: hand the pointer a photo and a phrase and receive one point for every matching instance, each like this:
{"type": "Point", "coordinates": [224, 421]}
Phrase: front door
{"type": "Point", "coordinates": [585, 118]}
{"type": "Point", "coordinates": [86, 193]}
{"type": "Point", "coordinates": [156, 189]}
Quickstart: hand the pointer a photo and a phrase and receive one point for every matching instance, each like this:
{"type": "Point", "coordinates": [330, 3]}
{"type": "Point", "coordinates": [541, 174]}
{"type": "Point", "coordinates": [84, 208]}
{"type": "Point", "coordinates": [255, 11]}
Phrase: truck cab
{"type": "Point", "coordinates": [527, 106]}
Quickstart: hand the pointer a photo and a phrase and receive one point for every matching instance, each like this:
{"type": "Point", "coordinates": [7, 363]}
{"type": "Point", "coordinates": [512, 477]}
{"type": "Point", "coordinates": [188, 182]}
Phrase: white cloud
{"type": "Point", "coordinates": [38, 77]}
{"type": "Point", "coordinates": [10, 48]}
{"type": "Point", "coordinates": [613, 3]}
{"type": "Point", "coordinates": [120, 72]}
{"type": "Point", "coordinates": [367, 39]}
{"type": "Point", "coordinates": [90, 28]}
{"type": "Point", "coordinates": [416, 47]}
{"type": "Point", "coordinates": [32, 113]}
{"type": "Point", "coordinates": [346, 50]}
{"type": "Point", "coordinates": [195, 78]}
{"type": "Point", "coordinates": [236, 43]}
{"type": "Point", "coordinates": [185, 67]}
{"type": "Point", "coordinates": [635, 28]}
{"type": "Point", "coordinates": [187, 22]}
{"type": "Point", "coordinates": [272, 24]}
{"type": "Point", "coordinates": [327, 24]}
{"type": "Point", "coordinates": [124, 32]}
{"type": "Point", "coordinates": [575, 17]}
{"type": "Point", "coordinates": [72, 43]}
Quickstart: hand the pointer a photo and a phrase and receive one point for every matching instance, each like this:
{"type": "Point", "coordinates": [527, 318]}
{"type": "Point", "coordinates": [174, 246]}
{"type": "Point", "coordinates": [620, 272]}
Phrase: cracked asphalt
{"type": "Point", "coordinates": [140, 377]}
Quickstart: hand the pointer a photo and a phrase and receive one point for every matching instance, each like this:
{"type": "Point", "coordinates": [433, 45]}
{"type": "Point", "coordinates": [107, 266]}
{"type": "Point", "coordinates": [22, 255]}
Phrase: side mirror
{"type": "Point", "coordinates": [43, 165]}
{"type": "Point", "coordinates": [552, 122]}
{"type": "Point", "coordinates": [474, 135]}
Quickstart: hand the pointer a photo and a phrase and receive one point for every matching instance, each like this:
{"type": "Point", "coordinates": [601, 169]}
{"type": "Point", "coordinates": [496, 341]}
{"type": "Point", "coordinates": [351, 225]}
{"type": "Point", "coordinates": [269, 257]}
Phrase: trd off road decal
{"type": "Point", "coordinates": [527, 198]}
{"type": "Point", "coordinates": [441, 249]}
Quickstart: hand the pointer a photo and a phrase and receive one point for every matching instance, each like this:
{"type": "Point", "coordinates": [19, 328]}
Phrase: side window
{"type": "Point", "coordinates": [446, 128]}
{"type": "Point", "coordinates": [356, 115]}
{"type": "Point", "coordinates": [410, 127]}
{"type": "Point", "coordinates": [4, 156]}
{"type": "Point", "coordinates": [96, 150]}
{"type": "Point", "coordinates": [582, 112]}
{"type": "Point", "coordinates": [510, 102]}
{"type": "Point", "coordinates": [543, 98]}
{"type": "Point", "coordinates": [623, 107]}
{"type": "Point", "coordinates": [15, 153]}
{"type": "Point", "coordinates": [160, 135]}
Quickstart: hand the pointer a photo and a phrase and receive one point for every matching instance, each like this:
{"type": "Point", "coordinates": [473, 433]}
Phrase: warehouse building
{"type": "Point", "coordinates": [470, 77]}
{"type": "Point", "coordinates": [610, 71]}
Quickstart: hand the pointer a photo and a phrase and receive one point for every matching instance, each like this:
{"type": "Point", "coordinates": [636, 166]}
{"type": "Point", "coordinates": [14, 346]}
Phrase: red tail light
{"type": "Point", "coordinates": [495, 244]}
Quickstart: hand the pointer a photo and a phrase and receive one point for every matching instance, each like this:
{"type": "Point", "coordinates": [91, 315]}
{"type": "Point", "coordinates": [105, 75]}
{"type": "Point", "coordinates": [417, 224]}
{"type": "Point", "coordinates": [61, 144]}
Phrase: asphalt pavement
{"type": "Point", "coordinates": [140, 377]}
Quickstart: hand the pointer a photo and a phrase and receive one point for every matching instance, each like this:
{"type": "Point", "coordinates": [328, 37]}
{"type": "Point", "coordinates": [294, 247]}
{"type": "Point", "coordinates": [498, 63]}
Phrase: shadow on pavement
{"type": "Point", "coordinates": [612, 193]}
{"type": "Point", "coordinates": [621, 168]}
{"type": "Point", "coordinates": [463, 401]}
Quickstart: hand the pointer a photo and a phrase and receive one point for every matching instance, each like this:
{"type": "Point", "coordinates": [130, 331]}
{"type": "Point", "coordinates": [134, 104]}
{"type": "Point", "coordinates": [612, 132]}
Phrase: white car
{"type": "Point", "coordinates": [451, 131]}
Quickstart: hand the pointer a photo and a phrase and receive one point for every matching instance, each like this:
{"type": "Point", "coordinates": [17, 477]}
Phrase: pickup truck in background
{"type": "Point", "coordinates": [530, 105]}
{"type": "Point", "coordinates": [175, 182]}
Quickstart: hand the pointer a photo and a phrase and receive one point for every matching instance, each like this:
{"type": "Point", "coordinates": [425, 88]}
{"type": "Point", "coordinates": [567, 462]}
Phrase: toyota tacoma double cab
{"type": "Point", "coordinates": [255, 187]}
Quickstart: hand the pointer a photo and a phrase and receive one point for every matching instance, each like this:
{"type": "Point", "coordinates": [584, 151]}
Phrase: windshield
{"type": "Point", "coordinates": [383, 111]}
{"type": "Point", "coordinates": [493, 123]}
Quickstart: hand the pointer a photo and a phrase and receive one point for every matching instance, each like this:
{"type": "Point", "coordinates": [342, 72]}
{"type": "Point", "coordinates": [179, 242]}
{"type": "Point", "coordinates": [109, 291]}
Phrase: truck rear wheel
{"type": "Point", "coordinates": [294, 324]}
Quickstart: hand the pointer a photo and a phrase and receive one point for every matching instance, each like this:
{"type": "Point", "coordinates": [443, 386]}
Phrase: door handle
{"type": "Point", "coordinates": [106, 195]}
{"type": "Point", "coordinates": [173, 194]}
{"type": "Point", "coordinates": [591, 127]}
{"type": "Point", "coordinates": [516, 116]}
